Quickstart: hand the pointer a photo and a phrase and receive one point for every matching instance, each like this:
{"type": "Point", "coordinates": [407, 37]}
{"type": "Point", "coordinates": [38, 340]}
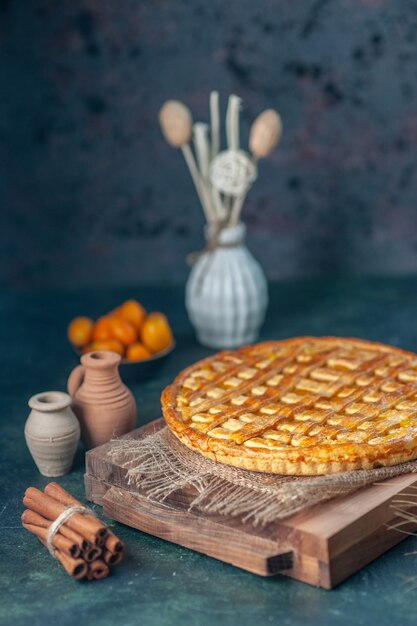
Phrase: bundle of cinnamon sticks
{"type": "Point", "coordinates": [83, 545]}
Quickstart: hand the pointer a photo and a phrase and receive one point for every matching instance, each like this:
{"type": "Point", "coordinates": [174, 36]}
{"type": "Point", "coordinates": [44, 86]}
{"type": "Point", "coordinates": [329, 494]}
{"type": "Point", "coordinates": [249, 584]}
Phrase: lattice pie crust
{"type": "Point", "coordinates": [301, 406]}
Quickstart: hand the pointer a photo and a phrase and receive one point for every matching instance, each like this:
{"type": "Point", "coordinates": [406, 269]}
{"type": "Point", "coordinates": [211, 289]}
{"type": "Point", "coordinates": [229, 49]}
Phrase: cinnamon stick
{"type": "Point", "coordinates": [113, 543]}
{"type": "Point", "coordinates": [48, 507]}
{"type": "Point", "coordinates": [58, 493]}
{"type": "Point", "coordinates": [30, 517]}
{"type": "Point", "coordinates": [83, 545]}
{"type": "Point", "coordinates": [98, 569]}
{"type": "Point", "coordinates": [76, 568]}
{"type": "Point", "coordinates": [58, 541]}
{"type": "Point", "coordinates": [91, 554]}
{"type": "Point", "coordinates": [112, 558]}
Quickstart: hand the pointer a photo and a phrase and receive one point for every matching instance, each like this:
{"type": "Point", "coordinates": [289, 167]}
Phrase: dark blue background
{"type": "Point", "coordinates": [91, 194]}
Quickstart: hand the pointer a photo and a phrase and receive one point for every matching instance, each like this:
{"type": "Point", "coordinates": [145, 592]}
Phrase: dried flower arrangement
{"type": "Point", "coordinates": [221, 178]}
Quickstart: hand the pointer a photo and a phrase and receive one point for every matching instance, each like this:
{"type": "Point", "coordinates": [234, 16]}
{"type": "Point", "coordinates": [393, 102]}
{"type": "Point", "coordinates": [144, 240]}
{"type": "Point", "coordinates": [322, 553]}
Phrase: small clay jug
{"type": "Point", "coordinates": [52, 432]}
{"type": "Point", "coordinates": [103, 404]}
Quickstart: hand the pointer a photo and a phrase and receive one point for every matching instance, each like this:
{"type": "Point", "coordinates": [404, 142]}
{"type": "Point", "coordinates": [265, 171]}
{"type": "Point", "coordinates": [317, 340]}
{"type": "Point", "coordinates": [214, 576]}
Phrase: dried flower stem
{"type": "Point", "coordinates": [232, 122]}
{"type": "Point", "coordinates": [215, 123]}
{"type": "Point", "coordinates": [215, 146]}
{"type": "Point", "coordinates": [200, 135]}
{"type": "Point", "coordinates": [195, 175]}
{"type": "Point", "coordinates": [202, 150]}
{"type": "Point", "coordinates": [238, 202]}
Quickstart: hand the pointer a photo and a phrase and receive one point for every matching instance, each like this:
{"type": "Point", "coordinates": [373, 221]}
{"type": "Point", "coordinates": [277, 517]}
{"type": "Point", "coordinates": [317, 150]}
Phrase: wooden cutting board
{"type": "Point", "coordinates": [321, 546]}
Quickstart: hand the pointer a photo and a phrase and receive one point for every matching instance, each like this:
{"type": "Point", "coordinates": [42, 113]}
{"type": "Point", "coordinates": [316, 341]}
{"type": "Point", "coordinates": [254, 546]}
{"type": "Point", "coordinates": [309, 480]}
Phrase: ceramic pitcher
{"type": "Point", "coordinates": [52, 432]}
{"type": "Point", "coordinates": [103, 404]}
{"type": "Point", "coordinates": [226, 293]}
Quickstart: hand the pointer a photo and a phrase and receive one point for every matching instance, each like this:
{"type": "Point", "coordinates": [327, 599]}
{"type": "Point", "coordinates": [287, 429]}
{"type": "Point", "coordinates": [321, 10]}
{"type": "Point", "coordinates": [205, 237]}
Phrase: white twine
{"type": "Point", "coordinates": [61, 520]}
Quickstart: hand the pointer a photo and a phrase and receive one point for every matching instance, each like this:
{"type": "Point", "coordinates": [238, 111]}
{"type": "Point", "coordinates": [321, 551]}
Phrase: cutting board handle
{"type": "Point", "coordinates": [280, 562]}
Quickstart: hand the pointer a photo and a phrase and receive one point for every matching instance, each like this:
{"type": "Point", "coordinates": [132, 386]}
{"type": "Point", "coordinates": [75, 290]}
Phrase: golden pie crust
{"type": "Point", "coordinates": [308, 406]}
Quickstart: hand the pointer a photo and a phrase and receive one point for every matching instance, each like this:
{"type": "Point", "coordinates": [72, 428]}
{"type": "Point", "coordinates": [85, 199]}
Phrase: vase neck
{"type": "Point", "coordinates": [101, 368]}
{"type": "Point", "coordinates": [228, 236]}
{"type": "Point", "coordinates": [102, 376]}
{"type": "Point", "coordinates": [50, 401]}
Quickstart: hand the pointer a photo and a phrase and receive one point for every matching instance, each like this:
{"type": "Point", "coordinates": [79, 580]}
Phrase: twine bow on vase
{"type": "Point", "coordinates": [226, 293]}
{"type": "Point", "coordinates": [214, 240]}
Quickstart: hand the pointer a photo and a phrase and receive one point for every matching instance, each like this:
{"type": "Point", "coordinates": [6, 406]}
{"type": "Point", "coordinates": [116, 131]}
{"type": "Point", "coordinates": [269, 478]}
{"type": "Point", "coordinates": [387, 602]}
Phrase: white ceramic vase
{"type": "Point", "coordinates": [52, 432]}
{"type": "Point", "coordinates": [227, 293]}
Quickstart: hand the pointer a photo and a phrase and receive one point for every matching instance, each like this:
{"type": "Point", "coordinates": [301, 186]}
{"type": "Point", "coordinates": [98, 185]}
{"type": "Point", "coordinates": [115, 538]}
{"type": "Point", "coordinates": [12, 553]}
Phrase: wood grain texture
{"type": "Point", "coordinates": [255, 554]}
{"type": "Point", "coordinates": [322, 546]}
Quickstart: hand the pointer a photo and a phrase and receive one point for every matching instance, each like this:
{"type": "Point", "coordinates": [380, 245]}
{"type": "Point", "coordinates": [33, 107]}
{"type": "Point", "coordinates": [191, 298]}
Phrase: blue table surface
{"type": "Point", "coordinates": [160, 583]}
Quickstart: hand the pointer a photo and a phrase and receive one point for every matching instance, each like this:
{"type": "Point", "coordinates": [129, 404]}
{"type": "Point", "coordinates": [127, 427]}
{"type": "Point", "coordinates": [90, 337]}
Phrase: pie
{"type": "Point", "coordinates": [300, 406]}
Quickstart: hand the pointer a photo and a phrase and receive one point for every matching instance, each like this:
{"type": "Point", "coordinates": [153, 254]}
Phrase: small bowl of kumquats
{"type": "Point", "coordinates": [142, 339]}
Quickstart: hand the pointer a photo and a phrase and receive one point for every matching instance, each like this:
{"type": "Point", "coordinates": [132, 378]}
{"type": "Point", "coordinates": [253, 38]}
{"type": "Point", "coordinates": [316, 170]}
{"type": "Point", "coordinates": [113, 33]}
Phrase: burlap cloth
{"type": "Point", "coordinates": [159, 465]}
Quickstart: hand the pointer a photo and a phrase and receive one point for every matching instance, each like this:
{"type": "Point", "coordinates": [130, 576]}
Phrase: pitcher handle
{"type": "Point", "coordinates": [75, 379]}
